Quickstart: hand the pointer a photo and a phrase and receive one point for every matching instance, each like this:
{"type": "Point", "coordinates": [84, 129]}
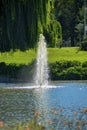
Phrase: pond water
{"type": "Point", "coordinates": [19, 103]}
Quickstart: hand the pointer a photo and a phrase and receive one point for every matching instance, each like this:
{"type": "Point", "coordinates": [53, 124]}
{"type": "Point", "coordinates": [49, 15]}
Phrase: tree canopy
{"type": "Point", "coordinates": [70, 14]}
{"type": "Point", "coordinates": [21, 22]}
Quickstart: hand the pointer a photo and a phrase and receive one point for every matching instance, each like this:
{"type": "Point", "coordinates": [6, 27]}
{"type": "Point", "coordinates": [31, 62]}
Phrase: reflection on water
{"type": "Point", "coordinates": [20, 104]}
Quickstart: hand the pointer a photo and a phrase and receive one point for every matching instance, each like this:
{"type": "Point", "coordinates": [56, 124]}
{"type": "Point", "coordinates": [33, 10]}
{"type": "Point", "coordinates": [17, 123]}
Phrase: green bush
{"type": "Point", "coordinates": [67, 64]}
{"type": "Point", "coordinates": [2, 68]}
{"type": "Point", "coordinates": [66, 70]}
{"type": "Point", "coordinates": [84, 64]}
{"type": "Point", "coordinates": [84, 73]}
{"type": "Point", "coordinates": [73, 73]}
{"type": "Point", "coordinates": [84, 45]}
{"type": "Point", "coordinates": [62, 70]}
{"type": "Point", "coordinates": [12, 72]}
{"type": "Point", "coordinates": [61, 65]}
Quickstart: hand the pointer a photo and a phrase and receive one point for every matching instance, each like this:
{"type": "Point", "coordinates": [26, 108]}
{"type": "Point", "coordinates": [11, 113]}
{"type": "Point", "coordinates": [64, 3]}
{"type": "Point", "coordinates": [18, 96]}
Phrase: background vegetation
{"type": "Point", "coordinates": [21, 22]}
{"type": "Point", "coordinates": [64, 64]}
{"type": "Point", "coordinates": [54, 55]}
{"type": "Point", "coordinates": [71, 16]}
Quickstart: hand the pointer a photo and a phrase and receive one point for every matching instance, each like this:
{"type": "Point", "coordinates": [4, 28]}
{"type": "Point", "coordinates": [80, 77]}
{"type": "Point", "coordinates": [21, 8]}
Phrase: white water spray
{"type": "Point", "coordinates": [41, 78]}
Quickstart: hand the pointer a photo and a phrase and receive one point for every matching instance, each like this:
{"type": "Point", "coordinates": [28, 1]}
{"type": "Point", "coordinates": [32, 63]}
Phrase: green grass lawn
{"type": "Point", "coordinates": [66, 53]}
{"type": "Point", "coordinates": [18, 57]}
{"type": "Point", "coordinates": [54, 54]}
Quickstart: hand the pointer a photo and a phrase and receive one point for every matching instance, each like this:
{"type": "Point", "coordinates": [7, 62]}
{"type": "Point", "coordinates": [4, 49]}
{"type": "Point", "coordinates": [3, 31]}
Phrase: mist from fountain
{"type": "Point", "coordinates": [41, 71]}
{"type": "Point", "coordinates": [41, 77]}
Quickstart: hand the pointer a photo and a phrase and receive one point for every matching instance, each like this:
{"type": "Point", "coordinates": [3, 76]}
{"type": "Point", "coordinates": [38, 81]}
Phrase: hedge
{"type": "Point", "coordinates": [62, 70]}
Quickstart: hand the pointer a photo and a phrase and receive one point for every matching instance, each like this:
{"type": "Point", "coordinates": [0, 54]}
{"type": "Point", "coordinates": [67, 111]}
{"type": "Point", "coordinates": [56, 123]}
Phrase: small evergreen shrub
{"type": "Point", "coordinates": [84, 64]}
{"type": "Point", "coordinates": [84, 73]}
{"type": "Point", "coordinates": [2, 68]}
{"type": "Point", "coordinates": [73, 73]}
{"type": "Point", "coordinates": [65, 70]}
{"type": "Point", "coordinates": [62, 70]}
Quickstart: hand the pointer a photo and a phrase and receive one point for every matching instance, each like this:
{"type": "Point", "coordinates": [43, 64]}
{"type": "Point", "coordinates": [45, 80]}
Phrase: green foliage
{"type": "Point", "coordinates": [62, 70]}
{"type": "Point", "coordinates": [84, 64]}
{"type": "Point", "coordinates": [84, 45]}
{"type": "Point", "coordinates": [28, 125]}
{"type": "Point", "coordinates": [68, 13]}
{"type": "Point", "coordinates": [73, 73]}
{"type": "Point", "coordinates": [22, 21]}
{"type": "Point", "coordinates": [63, 64]}
{"type": "Point", "coordinates": [14, 73]}
{"type": "Point", "coordinates": [84, 73]}
{"type": "Point", "coordinates": [66, 70]}
{"type": "Point", "coordinates": [53, 33]}
{"type": "Point", "coordinates": [2, 68]}
{"type": "Point", "coordinates": [59, 66]}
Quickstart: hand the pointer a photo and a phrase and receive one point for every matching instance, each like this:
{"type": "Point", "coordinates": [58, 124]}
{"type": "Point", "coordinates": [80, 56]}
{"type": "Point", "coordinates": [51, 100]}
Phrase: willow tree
{"type": "Point", "coordinates": [53, 34]}
{"type": "Point", "coordinates": [22, 22]}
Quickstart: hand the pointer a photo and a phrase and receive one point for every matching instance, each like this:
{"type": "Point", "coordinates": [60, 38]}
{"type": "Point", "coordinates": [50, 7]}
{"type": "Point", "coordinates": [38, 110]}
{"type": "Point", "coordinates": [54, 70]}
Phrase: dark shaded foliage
{"type": "Point", "coordinates": [68, 70]}
{"type": "Point", "coordinates": [21, 22]}
{"type": "Point", "coordinates": [69, 14]}
{"type": "Point", "coordinates": [84, 45]}
{"type": "Point", "coordinates": [84, 64]}
{"type": "Point", "coordinates": [62, 70]}
{"type": "Point", "coordinates": [14, 73]}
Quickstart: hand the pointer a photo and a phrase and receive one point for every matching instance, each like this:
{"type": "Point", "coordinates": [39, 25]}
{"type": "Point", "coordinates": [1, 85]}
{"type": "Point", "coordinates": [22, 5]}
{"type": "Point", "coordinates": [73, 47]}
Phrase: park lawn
{"type": "Point", "coordinates": [67, 54]}
{"type": "Point", "coordinates": [18, 57]}
{"type": "Point", "coordinates": [54, 54]}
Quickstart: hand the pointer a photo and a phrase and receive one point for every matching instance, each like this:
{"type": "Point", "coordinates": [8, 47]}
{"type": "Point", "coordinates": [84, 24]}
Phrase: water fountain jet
{"type": "Point", "coordinates": [41, 77]}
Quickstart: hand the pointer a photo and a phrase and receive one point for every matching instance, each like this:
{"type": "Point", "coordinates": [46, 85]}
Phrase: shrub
{"type": "Point", "coordinates": [61, 65]}
{"type": "Point", "coordinates": [73, 73]}
{"type": "Point", "coordinates": [59, 70]}
{"type": "Point", "coordinates": [84, 73]}
{"type": "Point", "coordinates": [67, 64]}
{"type": "Point", "coordinates": [2, 68]}
{"type": "Point", "coordinates": [84, 64]}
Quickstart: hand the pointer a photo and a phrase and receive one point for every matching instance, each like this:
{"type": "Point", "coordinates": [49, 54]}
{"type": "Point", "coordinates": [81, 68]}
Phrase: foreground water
{"type": "Point", "coordinates": [18, 102]}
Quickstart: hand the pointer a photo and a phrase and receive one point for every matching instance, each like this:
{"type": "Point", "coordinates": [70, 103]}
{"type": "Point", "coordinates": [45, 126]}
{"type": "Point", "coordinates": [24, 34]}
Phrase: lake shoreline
{"type": "Point", "coordinates": [58, 71]}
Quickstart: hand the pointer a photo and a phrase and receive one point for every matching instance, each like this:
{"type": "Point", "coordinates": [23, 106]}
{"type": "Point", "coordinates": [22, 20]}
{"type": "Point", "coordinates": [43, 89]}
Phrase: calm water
{"type": "Point", "coordinates": [19, 104]}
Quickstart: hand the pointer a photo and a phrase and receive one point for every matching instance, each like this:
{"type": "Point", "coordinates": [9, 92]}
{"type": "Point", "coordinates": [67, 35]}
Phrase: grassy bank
{"type": "Point", "coordinates": [54, 54]}
{"type": "Point", "coordinates": [18, 57]}
{"type": "Point", "coordinates": [65, 64]}
{"type": "Point", "coordinates": [66, 53]}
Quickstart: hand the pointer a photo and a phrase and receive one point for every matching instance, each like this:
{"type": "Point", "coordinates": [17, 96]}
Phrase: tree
{"type": "Point", "coordinates": [21, 22]}
{"type": "Point", "coordinates": [68, 13]}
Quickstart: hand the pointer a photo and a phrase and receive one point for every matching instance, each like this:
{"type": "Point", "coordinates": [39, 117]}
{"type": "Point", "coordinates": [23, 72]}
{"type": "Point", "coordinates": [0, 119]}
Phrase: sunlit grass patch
{"type": "Point", "coordinates": [66, 53]}
{"type": "Point", "coordinates": [54, 54]}
{"type": "Point", "coordinates": [18, 57]}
